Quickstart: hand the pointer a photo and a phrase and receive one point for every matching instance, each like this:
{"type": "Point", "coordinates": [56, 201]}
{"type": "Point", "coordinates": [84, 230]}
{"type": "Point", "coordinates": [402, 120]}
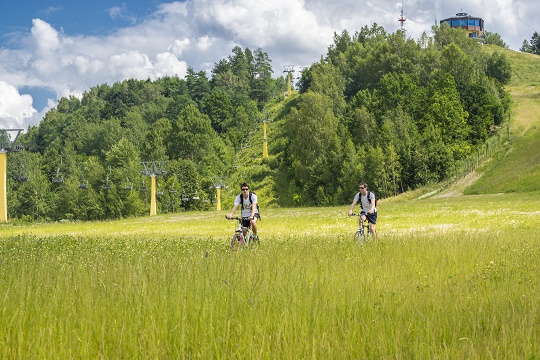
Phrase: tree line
{"type": "Point", "coordinates": [380, 107]}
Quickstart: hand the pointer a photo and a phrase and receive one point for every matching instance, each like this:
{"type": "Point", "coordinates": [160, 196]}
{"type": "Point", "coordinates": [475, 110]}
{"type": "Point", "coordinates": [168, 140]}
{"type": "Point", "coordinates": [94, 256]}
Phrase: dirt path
{"type": "Point", "coordinates": [456, 189]}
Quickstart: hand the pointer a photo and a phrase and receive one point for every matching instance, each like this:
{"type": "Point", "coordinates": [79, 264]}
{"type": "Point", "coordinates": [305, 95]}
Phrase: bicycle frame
{"type": "Point", "coordinates": [242, 235]}
{"type": "Point", "coordinates": [360, 235]}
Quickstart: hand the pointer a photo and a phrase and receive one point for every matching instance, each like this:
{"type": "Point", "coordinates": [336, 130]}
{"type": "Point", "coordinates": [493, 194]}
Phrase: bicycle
{"type": "Point", "coordinates": [360, 234]}
{"type": "Point", "coordinates": [239, 238]}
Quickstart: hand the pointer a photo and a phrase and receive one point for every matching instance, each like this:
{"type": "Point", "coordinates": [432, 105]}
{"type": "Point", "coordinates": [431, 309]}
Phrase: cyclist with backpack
{"type": "Point", "coordinates": [247, 200]}
{"type": "Point", "coordinates": [367, 205]}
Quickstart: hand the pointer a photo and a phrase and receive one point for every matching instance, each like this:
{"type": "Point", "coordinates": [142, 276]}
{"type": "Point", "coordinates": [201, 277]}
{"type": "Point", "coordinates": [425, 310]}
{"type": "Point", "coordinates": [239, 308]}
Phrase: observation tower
{"type": "Point", "coordinates": [472, 24]}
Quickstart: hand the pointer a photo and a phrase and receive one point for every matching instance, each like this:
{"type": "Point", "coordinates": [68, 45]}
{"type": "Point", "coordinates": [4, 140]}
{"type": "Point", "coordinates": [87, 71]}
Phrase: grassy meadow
{"type": "Point", "coordinates": [448, 277]}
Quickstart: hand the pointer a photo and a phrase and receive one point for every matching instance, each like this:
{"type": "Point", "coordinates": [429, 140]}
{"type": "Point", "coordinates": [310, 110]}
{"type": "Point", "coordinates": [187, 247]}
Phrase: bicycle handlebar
{"type": "Point", "coordinates": [237, 218]}
{"type": "Point", "coordinates": [362, 213]}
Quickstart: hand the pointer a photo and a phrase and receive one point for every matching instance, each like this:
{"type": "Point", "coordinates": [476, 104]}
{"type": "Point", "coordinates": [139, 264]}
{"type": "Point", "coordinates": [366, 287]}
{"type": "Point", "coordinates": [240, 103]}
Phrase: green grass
{"type": "Point", "coordinates": [517, 167]}
{"type": "Point", "coordinates": [447, 278]}
{"type": "Point", "coordinates": [452, 277]}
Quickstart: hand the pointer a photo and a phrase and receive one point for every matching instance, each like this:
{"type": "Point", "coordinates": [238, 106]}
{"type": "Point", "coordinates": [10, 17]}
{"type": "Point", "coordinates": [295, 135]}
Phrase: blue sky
{"type": "Point", "coordinates": [63, 48]}
{"type": "Point", "coordinates": [74, 17]}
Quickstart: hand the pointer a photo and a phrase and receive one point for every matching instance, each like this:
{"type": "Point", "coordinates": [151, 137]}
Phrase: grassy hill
{"type": "Point", "coordinates": [514, 169]}
{"type": "Point", "coordinates": [517, 169]}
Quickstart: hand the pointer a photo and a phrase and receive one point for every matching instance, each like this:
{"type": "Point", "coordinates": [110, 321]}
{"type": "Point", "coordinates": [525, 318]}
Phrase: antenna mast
{"type": "Point", "coordinates": [402, 18]}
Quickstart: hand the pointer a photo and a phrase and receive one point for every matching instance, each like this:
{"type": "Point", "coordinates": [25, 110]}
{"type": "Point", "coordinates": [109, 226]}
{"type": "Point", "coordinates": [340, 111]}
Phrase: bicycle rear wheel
{"type": "Point", "coordinates": [359, 237]}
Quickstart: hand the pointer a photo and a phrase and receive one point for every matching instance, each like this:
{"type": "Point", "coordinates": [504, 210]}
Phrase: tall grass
{"type": "Point", "coordinates": [447, 278]}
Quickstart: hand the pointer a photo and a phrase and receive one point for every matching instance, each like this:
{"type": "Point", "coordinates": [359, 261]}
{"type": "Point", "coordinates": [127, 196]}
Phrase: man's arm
{"type": "Point", "coordinates": [372, 208]}
{"type": "Point", "coordinates": [352, 207]}
{"type": "Point", "coordinates": [233, 210]}
{"type": "Point", "coordinates": [253, 210]}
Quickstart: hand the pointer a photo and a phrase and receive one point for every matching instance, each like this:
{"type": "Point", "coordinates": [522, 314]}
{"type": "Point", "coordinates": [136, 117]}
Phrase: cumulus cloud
{"type": "Point", "coordinates": [15, 109]}
{"type": "Point", "coordinates": [198, 33]}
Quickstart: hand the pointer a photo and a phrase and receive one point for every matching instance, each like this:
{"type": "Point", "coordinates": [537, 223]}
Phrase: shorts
{"type": "Point", "coordinates": [247, 223]}
{"type": "Point", "coordinates": [372, 218]}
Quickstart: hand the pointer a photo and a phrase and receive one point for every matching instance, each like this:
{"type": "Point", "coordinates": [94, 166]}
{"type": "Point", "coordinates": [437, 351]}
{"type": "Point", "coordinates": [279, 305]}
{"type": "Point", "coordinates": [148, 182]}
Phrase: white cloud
{"type": "Point", "coordinates": [15, 109]}
{"type": "Point", "coordinates": [198, 33]}
{"type": "Point", "coordinates": [167, 64]}
{"type": "Point", "coordinates": [45, 37]}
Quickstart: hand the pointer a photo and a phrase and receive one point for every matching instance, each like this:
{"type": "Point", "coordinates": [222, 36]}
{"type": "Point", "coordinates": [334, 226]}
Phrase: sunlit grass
{"type": "Point", "coordinates": [447, 278]}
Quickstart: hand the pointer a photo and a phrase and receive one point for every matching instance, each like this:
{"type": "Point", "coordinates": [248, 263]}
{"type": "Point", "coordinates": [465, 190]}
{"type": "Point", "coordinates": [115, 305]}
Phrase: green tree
{"type": "Point", "coordinates": [328, 80]}
{"type": "Point", "coordinates": [494, 39]}
{"type": "Point", "coordinates": [533, 46]}
{"type": "Point", "coordinates": [262, 85]}
{"type": "Point", "coordinates": [192, 135]}
{"type": "Point", "coordinates": [352, 169]}
{"type": "Point", "coordinates": [498, 67]}
{"type": "Point", "coordinates": [315, 147]}
{"type": "Point", "coordinates": [218, 106]}
{"type": "Point", "coordinates": [445, 113]}
{"type": "Point", "coordinates": [198, 84]}
{"type": "Point", "coordinates": [154, 147]}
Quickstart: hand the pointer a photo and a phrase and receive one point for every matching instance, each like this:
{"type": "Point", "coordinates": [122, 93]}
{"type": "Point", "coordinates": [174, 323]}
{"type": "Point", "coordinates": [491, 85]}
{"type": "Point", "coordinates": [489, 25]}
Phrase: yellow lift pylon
{"type": "Point", "coordinates": [289, 69]}
{"type": "Point", "coordinates": [153, 169]}
{"type": "Point", "coordinates": [6, 145]}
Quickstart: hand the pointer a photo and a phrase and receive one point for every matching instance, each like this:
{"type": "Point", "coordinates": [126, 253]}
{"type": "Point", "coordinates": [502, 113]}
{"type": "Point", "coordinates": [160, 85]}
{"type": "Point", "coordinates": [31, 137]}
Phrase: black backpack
{"type": "Point", "coordinates": [251, 201]}
{"type": "Point", "coordinates": [370, 196]}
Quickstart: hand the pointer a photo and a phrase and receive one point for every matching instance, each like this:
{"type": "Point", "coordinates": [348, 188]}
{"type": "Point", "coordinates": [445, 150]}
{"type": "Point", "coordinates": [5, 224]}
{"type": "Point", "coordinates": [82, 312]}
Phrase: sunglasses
{"type": "Point", "coordinates": [361, 188]}
{"type": "Point", "coordinates": [245, 189]}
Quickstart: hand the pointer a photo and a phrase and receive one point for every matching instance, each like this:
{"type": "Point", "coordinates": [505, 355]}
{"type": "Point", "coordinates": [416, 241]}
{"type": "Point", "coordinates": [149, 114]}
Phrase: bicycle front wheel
{"type": "Point", "coordinates": [359, 237]}
{"type": "Point", "coordinates": [237, 240]}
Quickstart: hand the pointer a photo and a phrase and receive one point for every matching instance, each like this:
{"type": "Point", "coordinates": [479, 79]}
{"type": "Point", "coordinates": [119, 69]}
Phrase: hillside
{"type": "Point", "coordinates": [517, 168]}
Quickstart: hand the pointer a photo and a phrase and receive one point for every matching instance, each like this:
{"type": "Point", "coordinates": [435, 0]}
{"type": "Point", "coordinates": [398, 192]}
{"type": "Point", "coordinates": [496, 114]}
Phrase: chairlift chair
{"type": "Point", "coordinates": [185, 197]}
{"type": "Point", "coordinates": [143, 187]}
{"type": "Point", "coordinates": [158, 190]}
{"type": "Point", "coordinates": [23, 175]}
{"type": "Point", "coordinates": [129, 185]}
{"type": "Point", "coordinates": [58, 178]}
{"type": "Point", "coordinates": [173, 190]}
{"type": "Point", "coordinates": [84, 182]}
{"type": "Point", "coordinates": [196, 196]}
{"type": "Point", "coordinates": [107, 186]}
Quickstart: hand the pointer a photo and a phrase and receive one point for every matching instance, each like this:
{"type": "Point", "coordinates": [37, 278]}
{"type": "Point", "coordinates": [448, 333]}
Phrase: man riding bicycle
{"type": "Point", "coordinates": [367, 204]}
{"type": "Point", "coordinates": [250, 210]}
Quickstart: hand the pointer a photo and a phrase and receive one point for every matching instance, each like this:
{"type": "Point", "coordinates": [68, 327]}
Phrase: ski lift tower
{"type": "Point", "coordinates": [7, 144]}
{"type": "Point", "coordinates": [265, 140]}
{"type": "Point", "coordinates": [153, 169]}
{"type": "Point", "coordinates": [289, 69]}
{"type": "Point", "coordinates": [218, 183]}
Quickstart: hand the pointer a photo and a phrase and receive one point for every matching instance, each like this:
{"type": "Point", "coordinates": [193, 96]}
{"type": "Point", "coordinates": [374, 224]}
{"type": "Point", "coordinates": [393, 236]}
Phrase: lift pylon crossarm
{"type": "Point", "coordinates": [6, 143]}
{"type": "Point", "coordinates": [153, 168]}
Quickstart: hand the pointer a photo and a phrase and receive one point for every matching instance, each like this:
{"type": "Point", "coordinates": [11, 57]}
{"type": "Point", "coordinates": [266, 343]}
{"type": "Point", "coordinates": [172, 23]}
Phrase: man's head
{"type": "Point", "coordinates": [245, 188]}
{"type": "Point", "coordinates": [362, 187]}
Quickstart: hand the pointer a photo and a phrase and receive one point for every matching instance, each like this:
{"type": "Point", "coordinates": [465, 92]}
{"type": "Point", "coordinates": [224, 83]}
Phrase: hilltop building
{"type": "Point", "coordinates": [473, 25]}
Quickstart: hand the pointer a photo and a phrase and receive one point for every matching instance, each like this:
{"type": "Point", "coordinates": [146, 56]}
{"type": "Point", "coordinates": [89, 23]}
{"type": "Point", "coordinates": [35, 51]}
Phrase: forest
{"type": "Point", "coordinates": [395, 112]}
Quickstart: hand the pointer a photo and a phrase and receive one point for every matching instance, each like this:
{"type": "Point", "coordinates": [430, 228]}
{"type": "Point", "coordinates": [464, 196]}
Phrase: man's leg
{"type": "Point", "coordinates": [254, 226]}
